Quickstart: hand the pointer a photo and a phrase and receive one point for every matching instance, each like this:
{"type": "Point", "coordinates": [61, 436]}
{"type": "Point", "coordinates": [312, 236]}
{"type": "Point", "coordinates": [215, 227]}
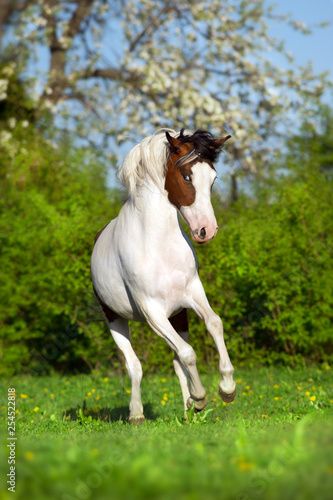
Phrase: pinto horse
{"type": "Point", "coordinates": [144, 267]}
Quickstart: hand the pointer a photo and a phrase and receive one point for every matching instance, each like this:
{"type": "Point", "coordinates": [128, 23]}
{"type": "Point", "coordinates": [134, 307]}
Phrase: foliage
{"type": "Point", "coordinates": [53, 201]}
{"type": "Point", "coordinates": [268, 273]}
{"type": "Point", "coordinates": [274, 441]}
{"type": "Point", "coordinates": [131, 67]}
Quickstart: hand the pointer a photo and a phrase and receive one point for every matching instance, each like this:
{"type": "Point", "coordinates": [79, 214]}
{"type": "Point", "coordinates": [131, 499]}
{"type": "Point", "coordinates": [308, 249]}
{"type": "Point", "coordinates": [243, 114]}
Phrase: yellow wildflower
{"type": "Point", "coordinates": [36, 409]}
{"type": "Point", "coordinates": [24, 396]}
{"type": "Point", "coordinates": [29, 455]}
{"type": "Point", "coordinates": [163, 402]}
{"type": "Point", "coordinates": [313, 398]}
{"type": "Point", "coordinates": [105, 379]}
{"type": "Point", "coordinates": [128, 391]}
{"type": "Point", "coordinates": [307, 393]}
{"type": "Point", "coordinates": [276, 398]}
{"type": "Point", "coordinates": [276, 386]}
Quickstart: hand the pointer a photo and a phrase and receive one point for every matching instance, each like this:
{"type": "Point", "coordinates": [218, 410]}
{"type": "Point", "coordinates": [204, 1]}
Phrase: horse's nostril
{"type": "Point", "coordinates": [202, 233]}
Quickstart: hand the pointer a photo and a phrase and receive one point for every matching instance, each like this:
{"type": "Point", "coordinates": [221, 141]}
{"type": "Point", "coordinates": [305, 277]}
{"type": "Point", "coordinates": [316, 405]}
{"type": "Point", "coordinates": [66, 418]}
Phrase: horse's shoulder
{"type": "Point", "coordinates": [99, 233]}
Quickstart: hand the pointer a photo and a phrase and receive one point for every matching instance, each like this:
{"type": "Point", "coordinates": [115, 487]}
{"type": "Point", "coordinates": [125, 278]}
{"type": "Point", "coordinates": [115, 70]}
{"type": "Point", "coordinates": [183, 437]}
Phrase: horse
{"type": "Point", "coordinates": [144, 267]}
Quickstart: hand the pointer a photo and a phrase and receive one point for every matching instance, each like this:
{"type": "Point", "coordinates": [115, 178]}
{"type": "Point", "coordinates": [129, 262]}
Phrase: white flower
{"type": "Point", "coordinates": [12, 122]}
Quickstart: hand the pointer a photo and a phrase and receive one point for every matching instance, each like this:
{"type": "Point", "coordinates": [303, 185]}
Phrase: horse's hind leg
{"type": "Point", "coordinates": [158, 321]}
{"type": "Point", "coordinates": [120, 333]}
{"type": "Point", "coordinates": [180, 324]}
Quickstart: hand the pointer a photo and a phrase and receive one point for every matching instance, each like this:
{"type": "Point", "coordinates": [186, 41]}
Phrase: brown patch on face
{"type": "Point", "coordinates": [180, 322]}
{"type": "Point", "coordinates": [181, 193]}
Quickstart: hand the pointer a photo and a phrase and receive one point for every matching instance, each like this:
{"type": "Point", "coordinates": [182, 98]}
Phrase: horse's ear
{"type": "Point", "coordinates": [173, 141]}
{"type": "Point", "coordinates": [217, 143]}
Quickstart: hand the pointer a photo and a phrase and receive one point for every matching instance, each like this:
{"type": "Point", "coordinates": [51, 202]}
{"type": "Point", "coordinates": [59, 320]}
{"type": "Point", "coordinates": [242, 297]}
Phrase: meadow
{"type": "Point", "coordinates": [74, 440]}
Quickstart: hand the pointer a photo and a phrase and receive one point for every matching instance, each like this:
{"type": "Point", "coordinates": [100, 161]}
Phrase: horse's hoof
{"type": "Point", "coordinates": [137, 420]}
{"type": "Point", "coordinates": [227, 398]}
{"type": "Point", "coordinates": [200, 405]}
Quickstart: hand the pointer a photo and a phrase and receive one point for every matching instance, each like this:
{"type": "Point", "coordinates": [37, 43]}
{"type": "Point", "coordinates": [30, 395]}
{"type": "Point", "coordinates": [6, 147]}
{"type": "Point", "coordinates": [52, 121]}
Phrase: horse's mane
{"type": "Point", "coordinates": [148, 159]}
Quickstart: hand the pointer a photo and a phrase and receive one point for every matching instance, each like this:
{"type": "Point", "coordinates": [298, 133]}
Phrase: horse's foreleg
{"type": "Point", "coordinates": [180, 324]}
{"type": "Point", "coordinates": [158, 321]}
{"type": "Point", "coordinates": [120, 333]}
{"type": "Point", "coordinates": [227, 386]}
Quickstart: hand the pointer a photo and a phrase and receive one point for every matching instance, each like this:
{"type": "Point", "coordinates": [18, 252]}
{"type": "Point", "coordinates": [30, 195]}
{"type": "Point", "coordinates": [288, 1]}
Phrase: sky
{"type": "Point", "coordinates": [317, 47]}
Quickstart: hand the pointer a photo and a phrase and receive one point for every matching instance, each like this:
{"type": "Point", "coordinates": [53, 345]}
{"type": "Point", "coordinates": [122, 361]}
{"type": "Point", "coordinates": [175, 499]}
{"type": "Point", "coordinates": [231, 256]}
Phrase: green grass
{"type": "Point", "coordinates": [275, 441]}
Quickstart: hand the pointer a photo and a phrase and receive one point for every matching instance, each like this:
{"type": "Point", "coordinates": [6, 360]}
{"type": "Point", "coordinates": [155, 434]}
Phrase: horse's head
{"type": "Point", "coordinates": [189, 179]}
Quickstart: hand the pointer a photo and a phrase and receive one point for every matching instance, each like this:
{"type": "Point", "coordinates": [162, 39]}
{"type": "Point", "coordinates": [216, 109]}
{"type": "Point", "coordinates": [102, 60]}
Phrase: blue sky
{"type": "Point", "coordinates": [317, 47]}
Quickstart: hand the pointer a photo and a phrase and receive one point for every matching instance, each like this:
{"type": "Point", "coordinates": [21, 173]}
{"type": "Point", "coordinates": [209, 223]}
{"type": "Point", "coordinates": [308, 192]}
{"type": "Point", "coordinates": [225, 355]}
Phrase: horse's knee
{"type": "Point", "coordinates": [214, 323]}
{"type": "Point", "coordinates": [187, 356]}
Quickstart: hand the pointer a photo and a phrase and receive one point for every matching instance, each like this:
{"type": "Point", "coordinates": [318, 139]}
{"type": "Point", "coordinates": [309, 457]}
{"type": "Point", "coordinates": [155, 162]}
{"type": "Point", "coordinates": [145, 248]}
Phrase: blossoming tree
{"type": "Point", "coordinates": [117, 67]}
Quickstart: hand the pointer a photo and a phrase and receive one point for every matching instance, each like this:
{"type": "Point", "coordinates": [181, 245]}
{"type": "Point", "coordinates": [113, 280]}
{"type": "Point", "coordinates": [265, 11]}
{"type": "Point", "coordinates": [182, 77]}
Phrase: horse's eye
{"type": "Point", "coordinates": [187, 178]}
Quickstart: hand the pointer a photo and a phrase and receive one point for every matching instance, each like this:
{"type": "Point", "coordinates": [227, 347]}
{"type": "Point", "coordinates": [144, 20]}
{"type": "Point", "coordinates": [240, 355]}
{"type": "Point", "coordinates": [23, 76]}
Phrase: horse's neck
{"type": "Point", "coordinates": [151, 209]}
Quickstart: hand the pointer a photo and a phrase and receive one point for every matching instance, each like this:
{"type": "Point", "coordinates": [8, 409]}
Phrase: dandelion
{"type": "Point", "coordinates": [24, 396]}
{"type": "Point", "coordinates": [17, 411]}
{"type": "Point", "coordinates": [98, 397]}
{"type": "Point", "coordinates": [261, 396]}
{"type": "Point", "coordinates": [243, 465]}
{"type": "Point", "coordinates": [313, 388]}
{"type": "Point", "coordinates": [68, 381]}
{"type": "Point", "coordinates": [217, 418]}
{"type": "Point", "coordinates": [128, 391]}
{"type": "Point", "coordinates": [63, 391]}
{"type": "Point", "coordinates": [309, 379]}
{"type": "Point", "coordinates": [29, 455]}
{"type": "Point", "coordinates": [93, 390]}
{"type": "Point", "coordinates": [327, 367]}
{"type": "Point", "coordinates": [299, 388]}
{"type": "Point", "coordinates": [51, 395]}
{"type": "Point", "coordinates": [89, 394]}
{"type": "Point", "coordinates": [163, 402]}
{"type": "Point", "coordinates": [36, 409]}
{"type": "Point", "coordinates": [214, 399]}
{"type": "Point", "coordinates": [247, 387]}
{"type": "Point", "coordinates": [163, 380]}
{"type": "Point", "coordinates": [31, 421]}
{"type": "Point", "coordinates": [165, 397]}
{"type": "Point", "coordinates": [105, 379]}
{"type": "Point", "coordinates": [276, 386]}
{"type": "Point", "coordinates": [271, 379]}
{"type": "Point", "coordinates": [313, 398]}
{"type": "Point", "coordinates": [307, 393]}
{"type": "Point", "coordinates": [238, 380]}
{"type": "Point", "coordinates": [243, 393]}
{"type": "Point", "coordinates": [276, 398]}
{"type": "Point", "coordinates": [45, 389]}
{"type": "Point", "coordinates": [264, 416]}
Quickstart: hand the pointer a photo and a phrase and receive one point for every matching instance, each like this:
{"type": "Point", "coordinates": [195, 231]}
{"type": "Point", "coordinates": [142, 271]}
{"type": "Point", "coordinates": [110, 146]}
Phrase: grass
{"type": "Point", "coordinates": [74, 440]}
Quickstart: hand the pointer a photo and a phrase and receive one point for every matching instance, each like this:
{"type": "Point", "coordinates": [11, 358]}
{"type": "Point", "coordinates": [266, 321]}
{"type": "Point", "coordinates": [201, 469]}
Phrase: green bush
{"type": "Point", "coordinates": [268, 274]}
